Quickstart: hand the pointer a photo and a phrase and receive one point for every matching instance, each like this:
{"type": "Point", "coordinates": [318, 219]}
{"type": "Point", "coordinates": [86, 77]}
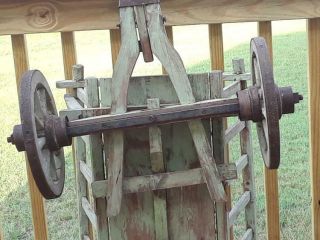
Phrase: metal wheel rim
{"type": "Point", "coordinates": [268, 128]}
{"type": "Point", "coordinates": [48, 167]}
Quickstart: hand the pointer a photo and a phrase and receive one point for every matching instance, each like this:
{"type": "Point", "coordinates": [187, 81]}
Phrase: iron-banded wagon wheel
{"type": "Point", "coordinates": [36, 104]}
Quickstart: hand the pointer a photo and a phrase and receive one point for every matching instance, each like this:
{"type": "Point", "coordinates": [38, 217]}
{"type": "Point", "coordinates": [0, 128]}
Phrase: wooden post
{"type": "Point", "coordinates": [217, 63]}
{"type": "Point", "coordinates": [20, 55]}
{"type": "Point", "coordinates": [115, 40]}
{"type": "Point", "coordinates": [314, 111]}
{"type": "Point", "coordinates": [169, 31]}
{"type": "Point", "coordinates": [270, 176]}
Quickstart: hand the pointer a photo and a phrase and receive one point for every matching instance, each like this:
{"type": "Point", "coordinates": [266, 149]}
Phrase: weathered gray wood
{"type": "Point", "coordinates": [248, 235]}
{"type": "Point", "coordinates": [238, 207]}
{"type": "Point", "coordinates": [227, 77]}
{"type": "Point", "coordinates": [85, 237]}
{"type": "Point", "coordinates": [86, 172]}
{"type": "Point", "coordinates": [95, 154]}
{"type": "Point", "coordinates": [173, 64]}
{"type": "Point", "coordinates": [231, 90]}
{"type": "Point", "coordinates": [123, 69]}
{"type": "Point", "coordinates": [233, 131]}
{"type": "Point", "coordinates": [81, 185]}
{"type": "Point", "coordinates": [238, 66]}
{"type": "Point", "coordinates": [242, 163]}
{"type": "Point", "coordinates": [83, 113]}
{"type": "Point", "coordinates": [163, 180]}
{"type": "Point", "coordinates": [89, 212]}
{"type": "Point", "coordinates": [157, 166]}
{"type": "Point", "coordinates": [69, 84]}
{"type": "Point", "coordinates": [82, 96]}
{"type": "Point", "coordinates": [143, 33]}
{"type": "Point", "coordinates": [218, 139]}
{"type": "Point", "coordinates": [71, 102]}
{"type": "Point", "coordinates": [248, 174]}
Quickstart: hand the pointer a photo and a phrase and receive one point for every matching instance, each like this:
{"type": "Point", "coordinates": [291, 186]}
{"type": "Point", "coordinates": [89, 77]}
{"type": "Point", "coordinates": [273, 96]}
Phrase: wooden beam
{"type": "Point", "coordinates": [20, 55]}
{"type": "Point", "coordinates": [32, 16]}
{"type": "Point", "coordinates": [271, 176]}
{"type": "Point", "coordinates": [314, 111]}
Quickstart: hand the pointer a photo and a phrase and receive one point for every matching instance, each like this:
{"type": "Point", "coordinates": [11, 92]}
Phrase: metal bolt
{"type": "Point", "coordinates": [10, 139]}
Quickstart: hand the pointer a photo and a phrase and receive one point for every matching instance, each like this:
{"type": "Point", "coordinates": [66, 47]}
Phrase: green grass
{"type": "Point", "coordinates": [290, 54]}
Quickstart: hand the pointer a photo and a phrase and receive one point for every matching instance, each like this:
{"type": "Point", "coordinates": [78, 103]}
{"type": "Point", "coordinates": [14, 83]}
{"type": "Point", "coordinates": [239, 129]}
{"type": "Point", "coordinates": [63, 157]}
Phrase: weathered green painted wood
{"type": "Point", "coordinates": [86, 206]}
{"type": "Point", "coordinates": [96, 159]}
{"type": "Point", "coordinates": [72, 102]}
{"type": "Point", "coordinates": [162, 181]}
{"type": "Point", "coordinates": [248, 235]}
{"type": "Point", "coordinates": [248, 172]}
{"type": "Point", "coordinates": [123, 69]}
{"type": "Point", "coordinates": [233, 131]}
{"type": "Point", "coordinates": [218, 139]}
{"type": "Point", "coordinates": [157, 166]}
{"type": "Point", "coordinates": [242, 163]}
{"type": "Point", "coordinates": [231, 89]}
{"type": "Point", "coordinates": [69, 84]}
{"type": "Point", "coordinates": [173, 64]}
{"type": "Point", "coordinates": [238, 208]}
{"type": "Point", "coordinates": [82, 96]}
{"type": "Point", "coordinates": [86, 172]}
{"type": "Point", "coordinates": [179, 153]}
{"type": "Point", "coordinates": [81, 185]}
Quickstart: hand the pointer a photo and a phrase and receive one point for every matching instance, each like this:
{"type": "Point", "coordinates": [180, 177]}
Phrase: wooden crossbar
{"type": "Point", "coordinates": [238, 208]}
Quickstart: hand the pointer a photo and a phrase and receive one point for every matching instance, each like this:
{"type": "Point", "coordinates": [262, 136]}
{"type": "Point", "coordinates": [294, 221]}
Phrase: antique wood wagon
{"type": "Point", "coordinates": [21, 17]}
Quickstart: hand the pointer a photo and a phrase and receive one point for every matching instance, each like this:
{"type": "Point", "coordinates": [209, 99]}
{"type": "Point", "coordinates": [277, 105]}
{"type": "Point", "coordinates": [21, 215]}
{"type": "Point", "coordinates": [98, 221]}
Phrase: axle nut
{"type": "Point", "coordinates": [16, 138]}
{"type": "Point", "coordinates": [56, 133]}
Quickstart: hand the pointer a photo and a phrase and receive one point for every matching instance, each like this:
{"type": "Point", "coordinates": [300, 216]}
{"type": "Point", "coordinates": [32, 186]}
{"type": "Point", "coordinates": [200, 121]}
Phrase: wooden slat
{"type": "Point", "coordinates": [72, 15]}
{"type": "Point", "coordinates": [231, 90]}
{"type": "Point", "coordinates": [238, 207]}
{"type": "Point", "coordinates": [86, 172]}
{"type": "Point", "coordinates": [314, 110]}
{"type": "Point", "coordinates": [233, 131]}
{"type": "Point", "coordinates": [217, 63]}
{"type": "Point", "coordinates": [164, 180]}
{"type": "Point", "coordinates": [86, 206]}
{"type": "Point", "coordinates": [236, 77]}
{"type": "Point", "coordinates": [86, 237]}
{"type": "Point", "coordinates": [69, 84]}
{"type": "Point", "coordinates": [72, 103]}
{"type": "Point", "coordinates": [39, 220]}
{"type": "Point", "coordinates": [80, 156]}
{"type": "Point", "coordinates": [157, 166]}
{"type": "Point", "coordinates": [82, 96]}
{"type": "Point", "coordinates": [242, 163]}
{"type": "Point", "coordinates": [248, 235]}
{"type": "Point", "coordinates": [271, 176]}
{"type": "Point", "coordinates": [95, 159]}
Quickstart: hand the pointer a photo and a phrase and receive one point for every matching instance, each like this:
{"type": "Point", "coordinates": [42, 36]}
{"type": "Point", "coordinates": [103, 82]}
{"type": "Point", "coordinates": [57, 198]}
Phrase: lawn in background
{"type": "Point", "coordinates": [290, 60]}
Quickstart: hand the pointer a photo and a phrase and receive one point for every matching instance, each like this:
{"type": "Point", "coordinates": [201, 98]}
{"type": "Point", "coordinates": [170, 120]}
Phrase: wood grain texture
{"type": "Point", "coordinates": [314, 111]}
{"type": "Point", "coordinates": [71, 15]}
{"type": "Point", "coordinates": [68, 53]}
{"type": "Point", "coordinates": [39, 220]}
{"type": "Point", "coordinates": [271, 176]}
{"type": "Point", "coordinates": [115, 40]}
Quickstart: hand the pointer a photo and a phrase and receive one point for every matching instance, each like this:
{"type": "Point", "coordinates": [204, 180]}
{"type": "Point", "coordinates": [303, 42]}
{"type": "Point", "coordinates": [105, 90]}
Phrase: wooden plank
{"type": "Point", "coordinates": [86, 172]}
{"type": "Point", "coordinates": [162, 181]}
{"type": "Point", "coordinates": [157, 166]}
{"type": "Point", "coordinates": [236, 77]}
{"type": "Point", "coordinates": [169, 32]}
{"type": "Point", "coordinates": [271, 176]}
{"type": "Point", "coordinates": [217, 63]}
{"type": "Point", "coordinates": [248, 170]}
{"type": "Point", "coordinates": [231, 90]}
{"type": "Point", "coordinates": [242, 163]}
{"type": "Point", "coordinates": [96, 160]}
{"type": "Point", "coordinates": [82, 96]}
{"type": "Point", "coordinates": [57, 15]}
{"type": "Point", "coordinates": [39, 220]}
{"type": "Point", "coordinates": [115, 40]}
{"type": "Point", "coordinates": [314, 100]}
{"type": "Point", "coordinates": [239, 207]}
{"type": "Point", "coordinates": [175, 68]}
{"type": "Point", "coordinates": [233, 131]}
{"type": "Point", "coordinates": [248, 235]}
{"type": "Point", "coordinates": [86, 206]}
{"type": "Point", "coordinates": [80, 156]}
{"type": "Point", "coordinates": [69, 84]}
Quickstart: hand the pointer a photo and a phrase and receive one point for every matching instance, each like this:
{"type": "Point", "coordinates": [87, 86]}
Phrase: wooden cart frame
{"type": "Point", "coordinates": [34, 16]}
